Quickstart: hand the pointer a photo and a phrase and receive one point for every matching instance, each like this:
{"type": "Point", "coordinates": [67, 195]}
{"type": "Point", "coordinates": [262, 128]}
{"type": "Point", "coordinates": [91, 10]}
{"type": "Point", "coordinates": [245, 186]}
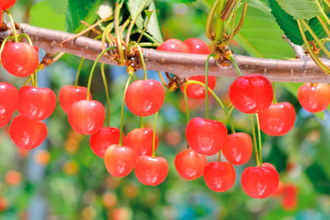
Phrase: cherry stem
{"type": "Point", "coordinates": [106, 93]}
{"type": "Point", "coordinates": [259, 138]}
{"type": "Point", "coordinates": [4, 42]}
{"type": "Point", "coordinates": [322, 11]}
{"type": "Point", "coordinates": [154, 137]}
{"type": "Point", "coordinates": [219, 157]}
{"type": "Point", "coordinates": [255, 141]}
{"type": "Point", "coordinates": [141, 122]}
{"type": "Point", "coordinates": [231, 57]}
{"type": "Point", "coordinates": [324, 25]}
{"type": "Point", "coordinates": [27, 37]}
{"type": "Point", "coordinates": [274, 95]}
{"type": "Point", "coordinates": [141, 57]}
{"type": "Point", "coordinates": [12, 24]}
{"type": "Point", "coordinates": [93, 68]}
{"type": "Point", "coordinates": [35, 79]}
{"type": "Point", "coordinates": [207, 86]}
{"type": "Point", "coordinates": [187, 107]}
{"type": "Point", "coordinates": [227, 118]}
{"type": "Point", "coordinates": [162, 78]}
{"type": "Point", "coordinates": [78, 72]}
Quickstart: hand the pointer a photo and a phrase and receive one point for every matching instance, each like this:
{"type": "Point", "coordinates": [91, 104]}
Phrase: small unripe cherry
{"type": "Point", "coordinates": [70, 94]}
{"type": "Point", "coordinates": [141, 140]}
{"type": "Point", "coordinates": [238, 148]}
{"type": "Point", "coordinates": [151, 171]}
{"type": "Point", "coordinates": [219, 176]}
{"type": "Point", "coordinates": [314, 97]}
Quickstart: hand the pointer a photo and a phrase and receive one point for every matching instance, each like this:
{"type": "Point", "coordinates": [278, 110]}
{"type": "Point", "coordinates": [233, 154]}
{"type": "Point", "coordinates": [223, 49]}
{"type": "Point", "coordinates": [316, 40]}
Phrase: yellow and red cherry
{"type": "Point", "coordinates": [141, 140]}
{"type": "Point", "coordinates": [251, 93]}
{"type": "Point", "coordinates": [27, 133]}
{"type": "Point", "coordinates": [219, 176]}
{"type": "Point", "coordinates": [86, 116]}
{"type": "Point", "coordinates": [174, 45]}
{"type": "Point", "coordinates": [151, 171]}
{"type": "Point", "coordinates": [145, 97]}
{"type": "Point", "coordinates": [70, 94]}
{"type": "Point", "coordinates": [5, 4]}
{"type": "Point", "coordinates": [36, 103]}
{"type": "Point", "coordinates": [8, 99]}
{"type": "Point", "coordinates": [189, 164]}
{"type": "Point", "coordinates": [238, 148]}
{"type": "Point", "coordinates": [197, 46]}
{"type": "Point", "coordinates": [314, 97]}
{"type": "Point", "coordinates": [206, 136]}
{"type": "Point", "coordinates": [19, 59]}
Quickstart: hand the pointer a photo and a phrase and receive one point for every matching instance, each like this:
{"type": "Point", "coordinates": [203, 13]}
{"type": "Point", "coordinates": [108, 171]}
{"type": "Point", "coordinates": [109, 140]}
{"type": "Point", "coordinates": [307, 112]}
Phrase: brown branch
{"type": "Point", "coordinates": [183, 65]}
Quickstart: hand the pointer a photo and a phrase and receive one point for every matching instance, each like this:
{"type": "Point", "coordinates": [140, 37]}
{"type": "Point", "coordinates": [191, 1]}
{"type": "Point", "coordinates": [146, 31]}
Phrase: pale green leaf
{"type": "Point", "coordinates": [305, 9]}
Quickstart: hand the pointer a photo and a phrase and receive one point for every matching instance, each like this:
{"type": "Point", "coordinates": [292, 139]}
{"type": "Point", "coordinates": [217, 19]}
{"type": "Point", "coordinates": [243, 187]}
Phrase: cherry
{"type": "Point", "coordinates": [19, 59]}
{"type": "Point", "coordinates": [140, 139]}
{"type": "Point", "coordinates": [278, 119]}
{"type": "Point", "coordinates": [4, 119]}
{"type": "Point", "coordinates": [206, 136]}
{"type": "Point", "coordinates": [314, 97]}
{"type": "Point", "coordinates": [238, 148]}
{"type": "Point", "coordinates": [174, 45]}
{"type": "Point", "coordinates": [197, 46]}
{"type": "Point", "coordinates": [195, 91]}
{"type": "Point", "coordinates": [251, 93]}
{"type": "Point", "coordinates": [119, 160]}
{"type": "Point", "coordinates": [219, 176]}
{"type": "Point", "coordinates": [70, 94]}
{"type": "Point", "coordinates": [290, 200]}
{"type": "Point", "coordinates": [101, 140]}
{"type": "Point", "coordinates": [1, 14]}
{"type": "Point", "coordinates": [189, 164]}
{"type": "Point", "coordinates": [36, 103]}
{"type": "Point", "coordinates": [145, 97]}
{"type": "Point", "coordinates": [279, 190]}
{"type": "Point", "coordinates": [27, 133]}
{"type": "Point", "coordinates": [259, 182]}
{"type": "Point", "coordinates": [86, 117]}
{"type": "Point", "coordinates": [269, 165]}
{"type": "Point", "coordinates": [5, 4]}
{"type": "Point", "coordinates": [151, 171]}
{"type": "Point", "coordinates": [8, 99]}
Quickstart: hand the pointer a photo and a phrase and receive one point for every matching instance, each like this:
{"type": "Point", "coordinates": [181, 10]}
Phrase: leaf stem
{"type": "Point", "coordinates": [322, 11]}
{"type": "Point", "coordinates": [119, 45]}
{"type": "Point", "coordinates": [209, 21]}
{"type": "Point", "coordinates": [324, 25]}
{"type": "Point", "coordinates": [154, 137]}
{"type": "Point", "coordinates": [122, 112]}
{"type": "Point", "coordinates": [219, 24]}
{"type": "Point", "coordinates": [255, 141]}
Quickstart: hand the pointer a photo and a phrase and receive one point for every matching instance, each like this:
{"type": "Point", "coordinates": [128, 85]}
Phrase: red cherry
{"type": "Point", "coordinates": [151, 171]}
{"type": "Point", "coordinates": [197, 46]}
{"type": "Point", "coordinates": [259, 182]}
{"type": "Point", "coordinates": [5, 4]}
{"type": "Point", "coordinates": [140, 139]}
{"type": "Point", "coordinates": [145, 97]}
{"type": "Point", "coordinates": [19, 59]}
{"type": "Point", "coordinates": [278, 119]}
{"type": "Point", "coordinates": [195, 91]}
{"type": "Point", "coordinates": [36, 103]}
{"type": "Point", "coordinates": [269, 165]}
{"type": "Point", "coordinates": [27, 133]}
{"type": "Point", "coordinates": [314, 97]}
{"type": "Point", "coordinates": [8, 99]}
{"type": "Point", "coordinates": [251, 93]}
{"type": "Point", "coordinates": [206, 136]}
{"type": "Point", "coordinates": [86, 117]}
{"type": "Point", "coordinates": [174, 45]}
{"type": "Point", "coordinates": [279, 190]}
{"type": "Point", "coordinates": [219, 176]}
{"type": "Point", "coordinates": [238, 148]}
{"type": "Point", "coordinates": [189, 164]}
{"type": "Point", "coordinates": [1, 14]}
{"type": "Point", "coordinates": [101, 140]}
{"type": "Point", "coordinates": [4, 119]}
{"type": "Point", "coordinates": [70, 94]}
{"type": "Point", "coordinates": [119, 160]}
{"type": "Point", "coordinates": [290, 197]}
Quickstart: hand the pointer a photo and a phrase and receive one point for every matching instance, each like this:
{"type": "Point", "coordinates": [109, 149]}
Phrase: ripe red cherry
{"type": "Point", "coordinates": [269, 165]}
{"type": "Point", "coordinates": [145, 97]}
{"type": "Point", "coordinates": [279, 190]}
{"type": "Point", "coordinates": [4, 119]}
{"type": "Point", "coordinates": [140, 139]}
{"type": "Point", "coordinates": [86, 117]}
{"type": "Point", "coordinates": [101, 140]}
{"type": "Point", "coordinates": [19, 59]}
{"type": "Point", "coordinates": [189, 164]}
{"type": "Point", "coordinates": [70, 94]}
{"type": "Point", "coordinates": [238, 148]}
{"type": "Point", "coordinates": [197, 46]}
{"type": "Point", "coordinates": [251, 93]}
{"type": "Point", "coordinates": [8, 99]}
{"type": "Point", "coordinates": [36, 103]}
{"type": "Point", "coordinates": [119, 160]}
{"type": "Point", "coordinates": [151, 171]}
{"type": "Point", "coordinates": [195, 91]}
{"type": "Point", "coordinates": [5, 4]}
{"type": "Point", "coordinates": [314, 97]}
{"type": "Point", "coordinates": [278, 119]}
{"type": "Point", "coordinates": [1, 14]}
{"type": "Point", "coordinates": [206, 136]}
{"type": "Point", "coordinates": [27, 133]}
{"type": "Point", "coordinates": [290, 200]}
{"type": "Point", "coordinates": [174, 45]}
{"type": "Point", "coordinates": [219, 176]}
{"type": "Point", "coordinates": [259, 182]}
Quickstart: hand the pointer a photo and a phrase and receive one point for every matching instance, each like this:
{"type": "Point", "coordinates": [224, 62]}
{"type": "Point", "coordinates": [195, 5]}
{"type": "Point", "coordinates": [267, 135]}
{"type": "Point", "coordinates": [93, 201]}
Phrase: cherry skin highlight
{"type": "Point", "coordinates": [70, 94]}
{"type": "Point", "coordinates": [19, 59]}
{"type": "Point", "coordinates": [145, 97]}
{"type": "Point", "coordinates": [197, 46]}
{"type": "Point", "coordinates": [238, 148]}
{"type": "Point", "coordinates": [36, 103]}
{"type": "Point", "coordinates": [195, 91]}
{"type": "Point", "coordinates": [119, 160]}
{"type": "Point", "coordinates": [27, 133]}
{"type": "Point", "coordinates": [151, 171]}
{"type": "Point", "coordinates": [8, 99]}
{"type": "Point", "coordinates": [189, 164]}
{"type": "Point", "coordinates": [5, 4]}
{"type": "Point", "coordinates": [105, 137]}
{"type": "Point", "coordinates": [86, 117]}
{"type": "Point", "coordinates": [278, 119]}
{"type": "Point", "coordinates": [251, 93]}
{"type": "Point", "coordinates": [5, 119]}
{"type": "Point", "coordinates": [259, 182]}
{"type": "Point", "coordinates": [140, 139]}
{"type": "Point", "coordinates": [206, 136]}
{"type": "Point", "coordinates": [219, 176]}
{"type": "Point", "coordinates": [314, 97]}
{"type": "Point", "coordinates": [174, 45]}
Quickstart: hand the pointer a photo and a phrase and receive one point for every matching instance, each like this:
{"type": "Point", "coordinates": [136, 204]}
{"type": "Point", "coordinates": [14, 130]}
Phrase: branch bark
{"type": "Point", "coordinates": [183, 65]}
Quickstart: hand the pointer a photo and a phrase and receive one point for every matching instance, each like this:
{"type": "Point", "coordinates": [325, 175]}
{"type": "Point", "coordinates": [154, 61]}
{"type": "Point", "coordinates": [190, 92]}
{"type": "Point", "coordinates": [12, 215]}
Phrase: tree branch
{"type": "Point", "coordinates": [183, 65]}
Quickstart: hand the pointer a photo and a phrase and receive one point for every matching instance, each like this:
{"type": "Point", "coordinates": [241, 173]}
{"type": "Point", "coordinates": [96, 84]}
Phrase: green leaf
{"type": "Point", "coordinates": [178, 1]}
{"type": "Point", "coordinates": [319, 178]}
{"type": "Point", "coordinates": [134, 7]}
{"type": "Point", "coordinates": [317, 28]}
{"type": "Point", "coordinates": [153, 27]}
{"type": "Point", "coordinates": [306, 9]}
{"type": "Point", "coordinates": [49, 14]}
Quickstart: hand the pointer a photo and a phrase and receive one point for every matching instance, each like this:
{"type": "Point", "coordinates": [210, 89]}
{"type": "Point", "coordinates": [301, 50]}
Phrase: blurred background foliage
{"type": "Point", "coordinates": [63, 179]}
